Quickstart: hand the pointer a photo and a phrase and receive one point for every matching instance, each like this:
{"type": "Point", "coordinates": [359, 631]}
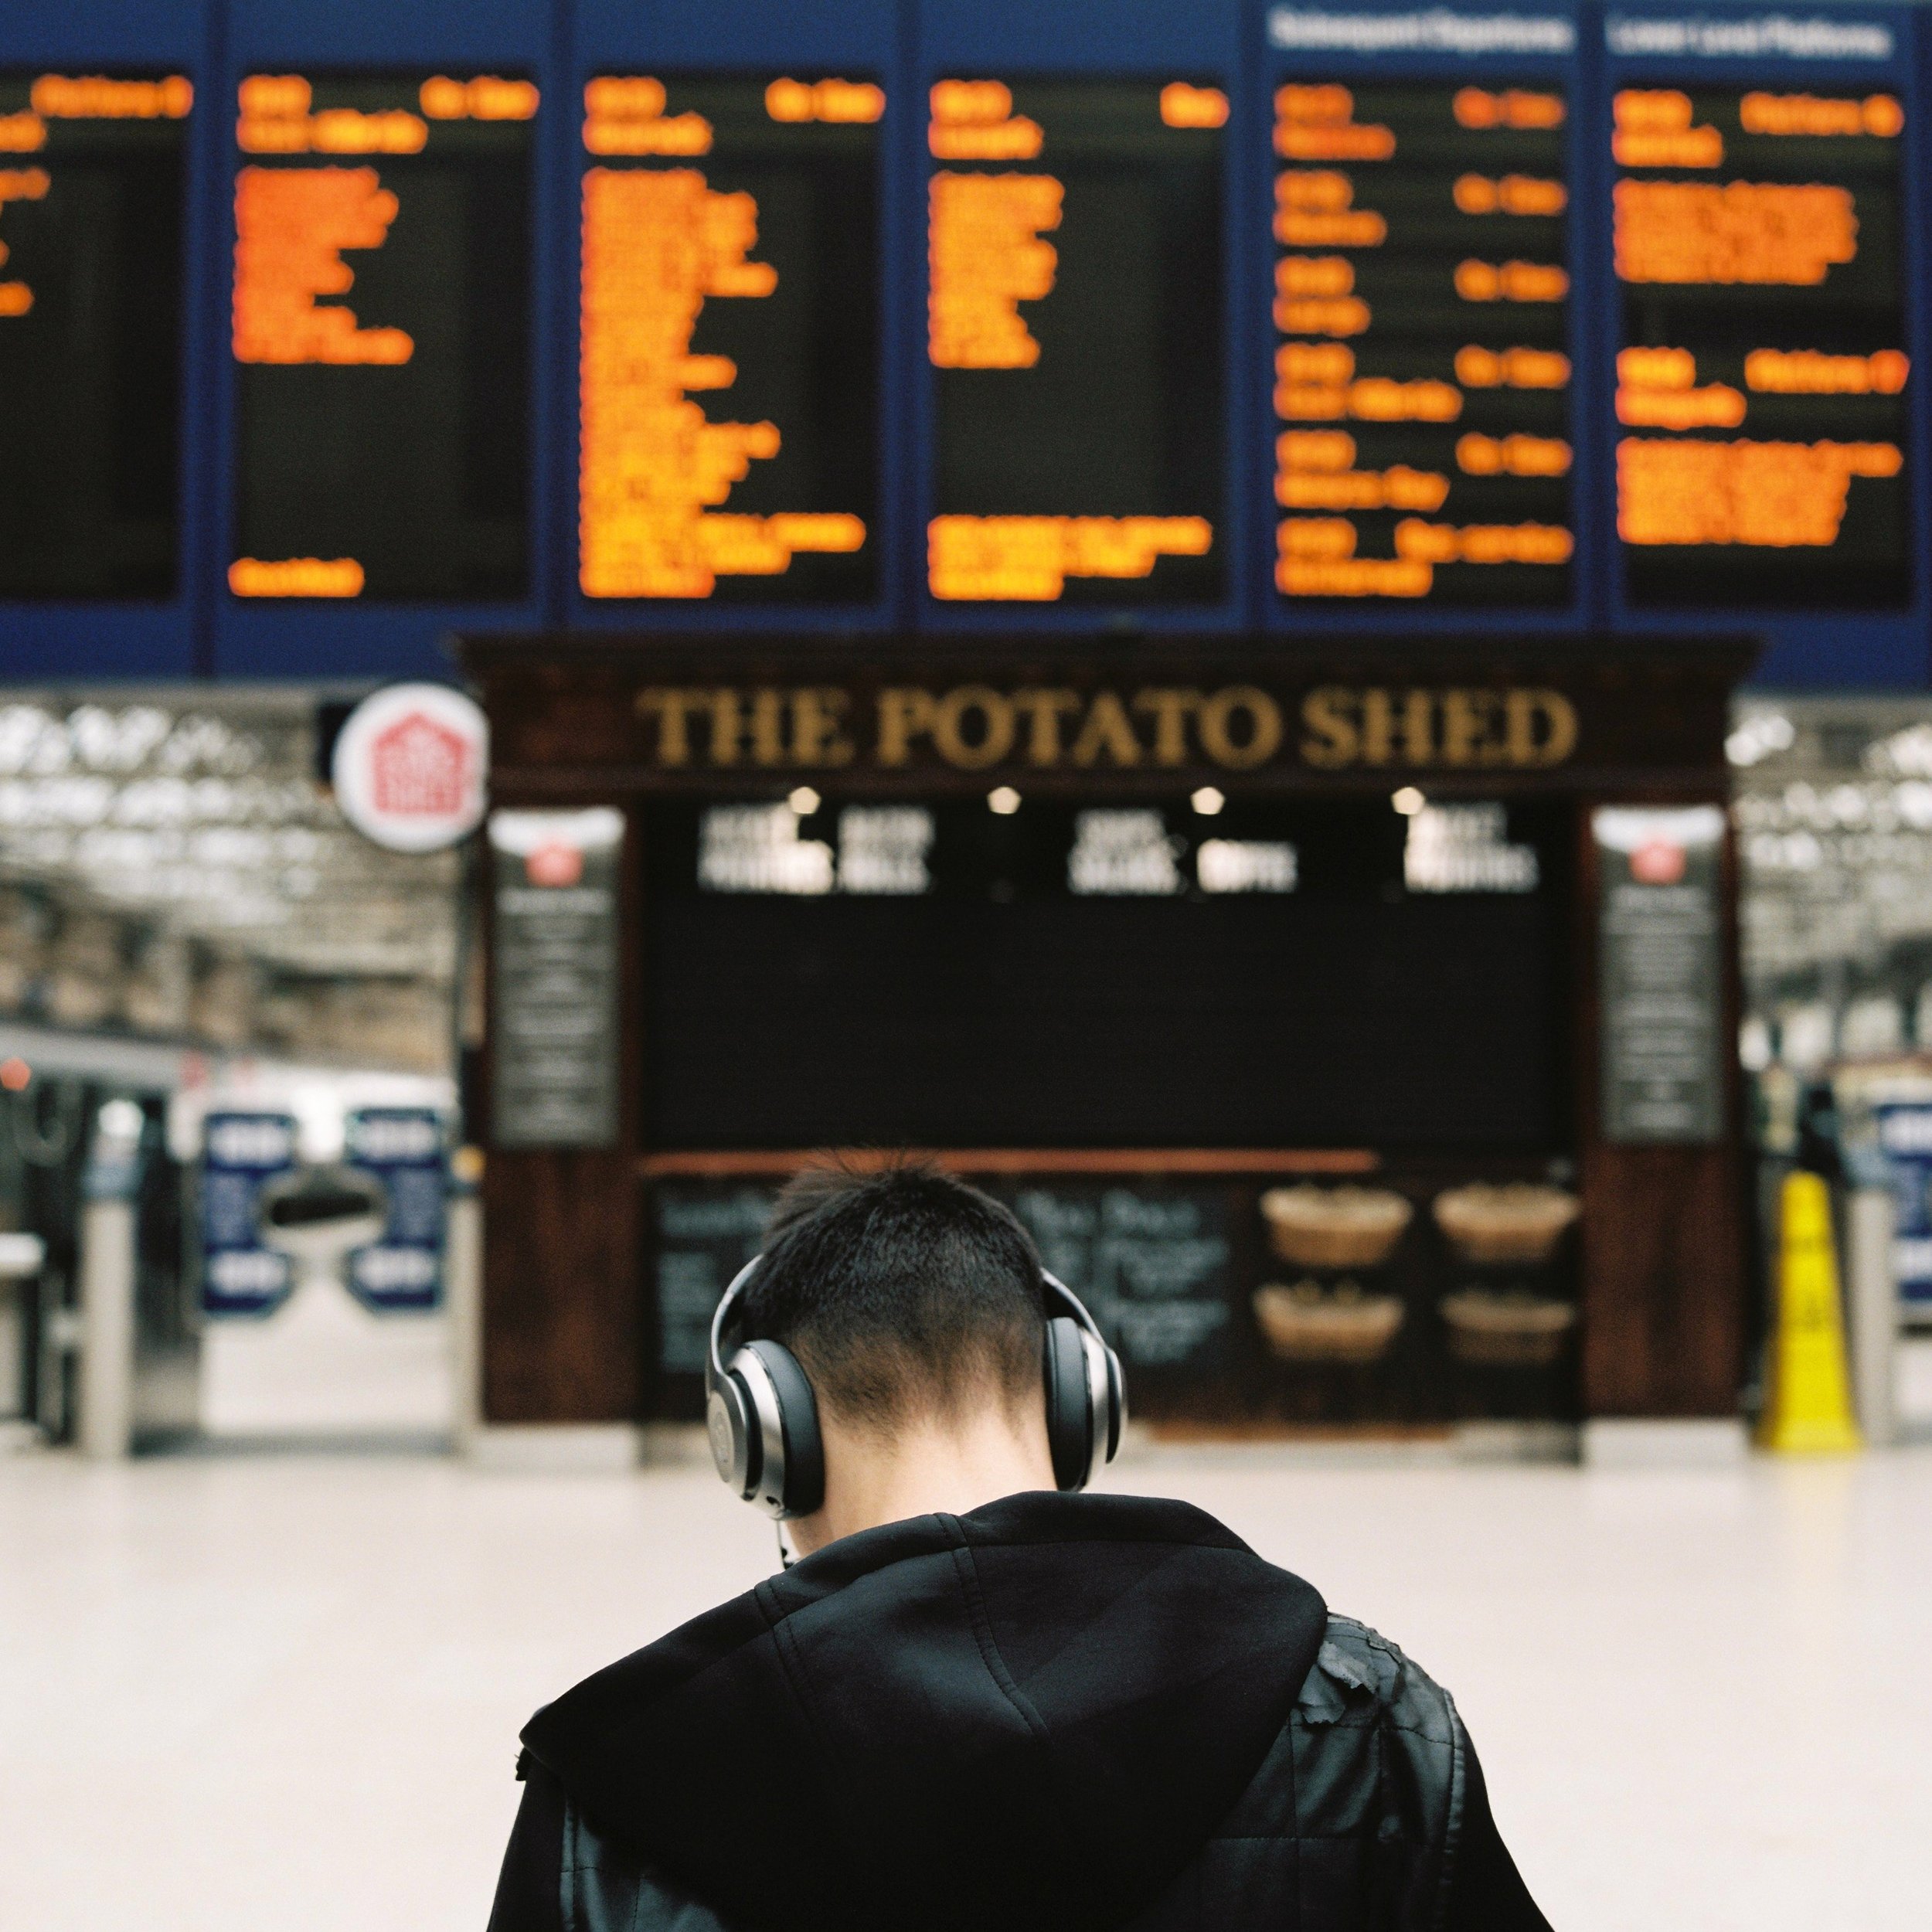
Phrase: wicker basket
{"type": "Point", "coordinates": [1506, 1330]}
{"type": "Point", "coordinates": [1334, 1227]}
{"type": "Point", "coordinates": [1307, 1324]}
{"type": "Point", "coordinates": [1518, 1223]}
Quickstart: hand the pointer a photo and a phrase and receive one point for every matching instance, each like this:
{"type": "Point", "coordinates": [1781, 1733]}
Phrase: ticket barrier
{"type": "Point", "coordinates": [138, 1374]}
{"type": "Point", "coordinates": [323, 1232]}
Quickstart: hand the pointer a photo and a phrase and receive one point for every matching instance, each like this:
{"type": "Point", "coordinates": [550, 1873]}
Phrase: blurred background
{"type": "Point", "coordinates": [1300, 639]}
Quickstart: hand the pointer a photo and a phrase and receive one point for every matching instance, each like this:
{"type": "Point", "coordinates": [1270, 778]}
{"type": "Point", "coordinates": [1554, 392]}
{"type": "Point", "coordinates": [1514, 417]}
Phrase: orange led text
{"type": "Point", "coordinates": [1679, 231]}
{"type": "Point", "coordinates": [1028, 559]}
{"type": "Point", "coordinates": [973, 120]}
{"type": "Point", "coordinates": [985, 257]}
{"type": "Point", "coordinates": [291, 225]}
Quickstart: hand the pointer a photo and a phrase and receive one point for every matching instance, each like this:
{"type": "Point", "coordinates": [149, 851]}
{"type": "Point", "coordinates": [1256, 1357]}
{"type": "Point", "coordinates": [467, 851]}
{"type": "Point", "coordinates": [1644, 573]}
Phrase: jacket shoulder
{"type": "Point", "coordinates": [1359, 1674]}
{"type": "Point", "coordinates": [1366, 1784]}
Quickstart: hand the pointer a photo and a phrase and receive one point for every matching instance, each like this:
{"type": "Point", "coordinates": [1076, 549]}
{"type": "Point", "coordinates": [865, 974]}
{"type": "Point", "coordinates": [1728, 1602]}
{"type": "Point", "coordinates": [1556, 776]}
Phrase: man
{"type": "Point", "coordinates": [982, 1704]}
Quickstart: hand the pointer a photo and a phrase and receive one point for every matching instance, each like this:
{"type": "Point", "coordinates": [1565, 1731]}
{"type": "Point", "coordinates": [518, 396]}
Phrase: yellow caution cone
{"type": "Point", "coordinates": [1809, 1412]}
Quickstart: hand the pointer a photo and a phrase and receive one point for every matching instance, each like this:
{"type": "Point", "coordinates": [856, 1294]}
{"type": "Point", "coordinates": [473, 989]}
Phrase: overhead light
{"type": "Point", "coordinates": [1004, 800]}
{"type": "Point", "coordinates": [804, 801]}
{"type": "Point", "coordinates": [1208, 801]}
{"type": "Point", "coordinates": [1408, 801]}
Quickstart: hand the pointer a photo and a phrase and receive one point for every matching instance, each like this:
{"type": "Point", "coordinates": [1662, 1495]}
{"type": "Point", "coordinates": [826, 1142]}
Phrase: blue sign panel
{"type": "Point", "coordinates": [242, 1152]}
{"type": "Point", "coordinates": [1905, 1137]}
{"type": "Point", "coordinates": [402, 1147]}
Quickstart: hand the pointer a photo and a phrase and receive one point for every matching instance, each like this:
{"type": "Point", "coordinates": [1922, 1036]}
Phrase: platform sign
{"type": "Point", "coordinates": [381, 336]}
{"type": "Point", "coordinates": [1076, 327]}
{"type": "Point", "coordinates": [241, 1153]}
{"type": "Point", "coordinates": [92, 192]}
{"type": "Point", "coordinates": [728, 392]}
{"type": "Point", "coordinates": [1422, 374]}
{"type": "Point", "coordinates": [403, 1147]}
{"type": "Point", "coordinates": [1422, 213]}
{"type": "Point", "coordinates": [1763, 372]}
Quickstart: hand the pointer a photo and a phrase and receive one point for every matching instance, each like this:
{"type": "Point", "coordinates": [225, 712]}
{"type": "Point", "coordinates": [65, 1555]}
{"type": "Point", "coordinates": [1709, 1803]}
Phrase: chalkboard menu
{"type": "Point", "coordinates": [1150, 1259]}
{"type": "Point", "coordinates": [554, 1027]}
{"type": "Point", "coordinates": [1662, 979]}
{"type": "Point", "coordinates": [706, 1232]}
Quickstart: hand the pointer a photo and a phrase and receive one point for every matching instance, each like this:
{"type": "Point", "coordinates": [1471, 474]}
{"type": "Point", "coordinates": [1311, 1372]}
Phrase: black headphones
{"type": "Point", "coordinates": [763, 1417]}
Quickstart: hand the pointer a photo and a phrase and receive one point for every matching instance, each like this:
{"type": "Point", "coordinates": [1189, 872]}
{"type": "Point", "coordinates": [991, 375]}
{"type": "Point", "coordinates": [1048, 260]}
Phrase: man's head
{"type": "Point", "coordinates": [909, 1298]}
{"type": "Point", "coordinates": [913, 1304]}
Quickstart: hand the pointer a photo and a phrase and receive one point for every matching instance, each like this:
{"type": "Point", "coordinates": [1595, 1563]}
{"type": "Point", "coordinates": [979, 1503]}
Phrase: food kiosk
{"type": "Point", "coordinates": [1351, 1026]}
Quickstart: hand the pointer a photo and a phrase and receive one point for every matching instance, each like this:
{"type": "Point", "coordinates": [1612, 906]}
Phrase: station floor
{"type": "Point", "coordinates": [283, 1692]}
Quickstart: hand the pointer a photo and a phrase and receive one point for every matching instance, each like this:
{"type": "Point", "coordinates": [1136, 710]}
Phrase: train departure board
{"type": "Point", "coordinates": [1075, 318]}
{"type": "Point", "coordinates": [92, 192]}
{"type": "Point", "coordinates": [1761, 374]}
{"type": "Point", "coordinates": [382, 336]}
{"type": "Point", "coordinates": [729, 372]}
{"type": "Point", "coordinates": [1422, 371]}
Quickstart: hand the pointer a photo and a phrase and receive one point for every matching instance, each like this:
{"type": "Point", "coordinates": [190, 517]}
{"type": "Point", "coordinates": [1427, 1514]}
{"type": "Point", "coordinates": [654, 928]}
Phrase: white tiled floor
{"type": "Point", "coordinates": [280, 1695]}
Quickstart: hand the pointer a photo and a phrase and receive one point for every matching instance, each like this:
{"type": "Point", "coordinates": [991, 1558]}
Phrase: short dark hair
{"type": "Point", "coordinates": [906, 1293]}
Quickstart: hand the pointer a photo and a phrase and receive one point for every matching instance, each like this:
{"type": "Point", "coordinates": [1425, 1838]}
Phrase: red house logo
{"type": "Point", "coordinates": [419, 769]}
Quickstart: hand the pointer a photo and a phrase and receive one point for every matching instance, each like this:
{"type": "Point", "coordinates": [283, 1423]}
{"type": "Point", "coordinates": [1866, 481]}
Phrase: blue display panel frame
{"type": "Point", "coordinates": [145, 638]}
{"type": "Point", "coordinates": [855, 39]}
{"type": "Point", "coordinates": [293, 638]}
{"type": "Point", "coordinates": [1072, 39]}
{"type": "Point", "coordinates": [1864, 648]}
{"type": "Point", "coordinates": [1395, 63]}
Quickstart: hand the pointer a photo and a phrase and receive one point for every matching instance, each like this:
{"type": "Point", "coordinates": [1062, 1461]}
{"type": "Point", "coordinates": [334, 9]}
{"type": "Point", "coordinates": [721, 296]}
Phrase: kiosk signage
{"type": "Point", "coordinates": [1660, 923]}
{"type": "Point", "coordinates": [554, 1022]}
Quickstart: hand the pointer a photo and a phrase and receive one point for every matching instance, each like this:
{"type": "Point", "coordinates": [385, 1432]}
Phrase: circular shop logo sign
{"type": "Point", "coordinates": [409, 766]}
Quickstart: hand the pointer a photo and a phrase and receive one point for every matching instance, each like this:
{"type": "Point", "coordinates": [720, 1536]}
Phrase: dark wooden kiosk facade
{"type": "Point", "coordinates": [1133, 932]}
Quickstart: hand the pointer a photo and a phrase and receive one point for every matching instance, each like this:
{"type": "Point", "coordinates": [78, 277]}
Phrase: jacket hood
{"type": "Point", "coordinates": [1034, 1715]}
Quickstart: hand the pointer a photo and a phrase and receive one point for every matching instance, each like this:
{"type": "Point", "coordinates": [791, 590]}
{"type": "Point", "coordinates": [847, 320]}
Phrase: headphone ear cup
{"type": "Point", "coordinates": [1069, 1425]}
{"type": "Point", "coordinates": [797, 1486]}
{"type": "Point", "coordinates": [734, 1433]}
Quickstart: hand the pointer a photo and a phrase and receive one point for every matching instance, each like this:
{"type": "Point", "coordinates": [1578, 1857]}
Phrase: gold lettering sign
{"type": "Point", "coordinates": [979, 727]}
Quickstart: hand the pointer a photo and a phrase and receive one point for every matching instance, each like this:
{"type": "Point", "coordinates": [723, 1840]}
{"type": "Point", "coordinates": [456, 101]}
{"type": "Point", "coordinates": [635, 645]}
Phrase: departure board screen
{"type": "Point", "coordinates": [1075, 330]}
{"type": "Point", "coordinates": [382, 337]}
{"type": "Point", "coordinates": [1422, 375]}
{"type": "Point", "coordinates": [92, 183]}
{"type": "Point", "coordinates": [728, 383]}
{"type": "Point", "coordinates": [1761, 375]}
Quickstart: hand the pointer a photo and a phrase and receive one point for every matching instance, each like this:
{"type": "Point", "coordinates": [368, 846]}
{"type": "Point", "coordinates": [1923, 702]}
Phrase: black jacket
{"type": "Point", "coordinates": [1069, 1711]}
